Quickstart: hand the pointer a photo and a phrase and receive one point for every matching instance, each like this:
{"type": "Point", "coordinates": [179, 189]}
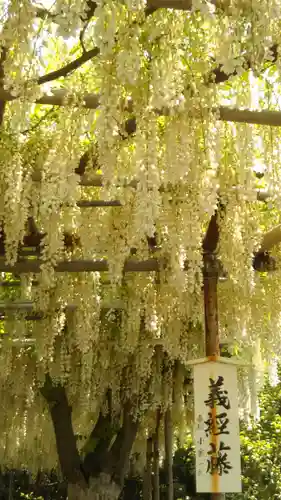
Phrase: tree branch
{"type": "Point", "coordinates": [219, 76]}
{"type": "Point", "coordinates": [68, 68]}
{"type": "Point", "coordinates": [98, 444]}
{"type": "Point", "coordinates": [42, 13]}
{"type": "Point", "coordinates": [65, 439]}
{"type": "Point", "coordinates": [112, 460]}
{"type": "Point", "coordinates": [91, 7]}
{"type": "Point", "coordinates": [118, 457]}
{"type": "Point", "coordinates": [38, 123]}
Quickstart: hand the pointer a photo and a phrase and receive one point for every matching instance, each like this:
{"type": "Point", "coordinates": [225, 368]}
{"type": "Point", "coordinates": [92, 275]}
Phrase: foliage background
{"type": "Point", "coordinates": [260, 453]}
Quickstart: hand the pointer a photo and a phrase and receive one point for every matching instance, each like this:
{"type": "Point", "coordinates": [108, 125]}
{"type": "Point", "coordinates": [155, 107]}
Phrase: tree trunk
{"type": "Point", "coordinates": [100, 488]}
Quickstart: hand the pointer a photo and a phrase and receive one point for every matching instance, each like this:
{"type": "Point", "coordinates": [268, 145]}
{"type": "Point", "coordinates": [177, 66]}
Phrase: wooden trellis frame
{"type": "Point", "coordinates": [211, 269]}
{"type": "Point", "coordinates": [91, 101]}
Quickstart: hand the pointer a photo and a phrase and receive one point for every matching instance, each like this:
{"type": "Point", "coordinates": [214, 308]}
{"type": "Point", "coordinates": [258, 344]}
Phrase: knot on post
{"type": "Point", "coordinates": [212, 266]}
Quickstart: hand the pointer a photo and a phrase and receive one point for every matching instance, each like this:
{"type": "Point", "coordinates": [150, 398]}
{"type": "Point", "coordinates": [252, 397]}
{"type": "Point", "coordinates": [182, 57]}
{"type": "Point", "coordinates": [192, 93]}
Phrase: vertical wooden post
{"type": "Point", "coordinates": [11, 485]}
{"type": "Point", "coordinates": [211, 307]}
{"type": "Point", "coordinates": [211, 274]}
{"type": "Point", "coordinates": [156, 484]}
{"type": "Point", "coordinates": [169, 455]}
{"type": "Point", "coordinates": [147, 477]}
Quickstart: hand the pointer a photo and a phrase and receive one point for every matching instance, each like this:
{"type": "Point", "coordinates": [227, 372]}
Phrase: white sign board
{"type": "Point", "coordinates": [216, 428]}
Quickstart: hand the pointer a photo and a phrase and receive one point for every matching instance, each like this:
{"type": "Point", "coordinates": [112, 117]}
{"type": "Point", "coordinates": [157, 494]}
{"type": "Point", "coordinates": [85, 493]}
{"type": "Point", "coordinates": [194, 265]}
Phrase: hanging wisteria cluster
{"type": "Point", "coordinates": [158, 146]}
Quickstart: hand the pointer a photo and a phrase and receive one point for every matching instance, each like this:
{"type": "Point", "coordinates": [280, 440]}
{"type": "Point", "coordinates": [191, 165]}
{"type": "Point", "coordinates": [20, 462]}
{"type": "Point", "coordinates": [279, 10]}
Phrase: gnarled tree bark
{"type": "Point", "coordinates": [100, 488]}
{"type": "Point", "coordinates": [100, 476]}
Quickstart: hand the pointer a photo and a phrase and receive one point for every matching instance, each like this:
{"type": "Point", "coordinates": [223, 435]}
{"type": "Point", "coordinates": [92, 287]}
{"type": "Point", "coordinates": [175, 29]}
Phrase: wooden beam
{"type": "Point", "coordinates": [98, 203]}
{"type": "Point", "coordinates": [147, 473]}
{"type": "Point", "coordinates": [78, 266]}
{"type": "Point", "coordinates": [174, 4]}
{"type": "Point", "coordinates": [211, 312]}
{"type": "Point", "coordinates": [263, 195]}
{"type": "Point", "coordinates": [19, 342]}
{"type": "Point", "coordinates": [98, 181]}
{"type": "Point", "coordinates": [168, 462]}
{"type": "Point", "coordinates": [15, 283]}
{"type": "Point", "coordinates": [56, 98]}
{"type": "Point", "coordinates": [210, 289]}
{"type": "Point", "coordinates": [152, 6]}
{"type": "Point", "coordinates": [90, 181]}
{"type": "Point", "coordinates": [91, 101]}
{"type": "Point", "coordinates": [271, 239]}
{"type": "Point", "coordinates": [263, 117]}
{"type": "Point", "coordinates": [261, 262]}
{"type": "Point", "coordinates": [156, 457]}
{"type": "Point", "coordinates": [29, 306]}
{"type": "Point", "coordinates": [169, 4]}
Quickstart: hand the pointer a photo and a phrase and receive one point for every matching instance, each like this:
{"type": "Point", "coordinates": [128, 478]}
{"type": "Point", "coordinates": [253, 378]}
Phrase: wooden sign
{"type": "Point", "coordinates": [216, 428]}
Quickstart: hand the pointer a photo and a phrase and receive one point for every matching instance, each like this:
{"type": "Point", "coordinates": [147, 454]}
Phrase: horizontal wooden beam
{"type": "Point", "coordinates": [12, 283]}
{"type": "Point", "coordinates": [263, 117]}
{"type": "Point", "coordinates": [19, 342]}
{"type": "Point", "coordinates": [56, 98]}
{"type": "Point", "coordinates": [98, 181]}
{"type": "Point", "coordinates": [78, 266]}
{"type": "Point", "coordinates": [263, 195]}
{"type": "Point", "coordinates": [271, 239]}
{"type": "Point", "coordinates": [16, 283]}
{"type": "Point", "coordinates": [91, 181]}
{"type": "Point", "coordinates": [91, 101]}
{"type": "Point", "coordinates": [29, 306]}
{"type": "Point", "coordinates": [169, 4]}
{"type": "Point", "coordinates": [151, 6]}
{"type": "Point", "coordinates": [175, 4]}
{"type": "Point", "coordinates": [98, 203]}
{"type": "Point", "coordinates": [262, 262]}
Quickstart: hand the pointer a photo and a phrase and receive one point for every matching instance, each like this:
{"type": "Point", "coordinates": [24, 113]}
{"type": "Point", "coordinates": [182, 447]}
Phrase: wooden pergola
{"type": "Point", "coordinates": [29, 252]}
{"type": "Point", "coordinates": [33, 238]}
